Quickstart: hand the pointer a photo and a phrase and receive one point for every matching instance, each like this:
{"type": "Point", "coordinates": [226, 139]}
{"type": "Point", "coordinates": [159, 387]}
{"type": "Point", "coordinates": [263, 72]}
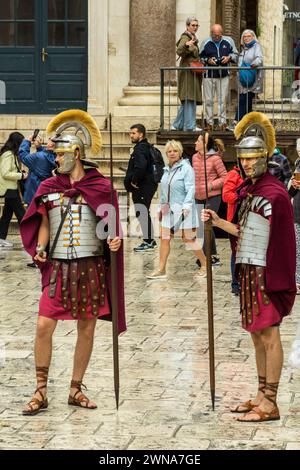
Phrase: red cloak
{"type": "Point", "coordinates": [281, 253]}
{"type": "Point", "coordinates": [96, 190]}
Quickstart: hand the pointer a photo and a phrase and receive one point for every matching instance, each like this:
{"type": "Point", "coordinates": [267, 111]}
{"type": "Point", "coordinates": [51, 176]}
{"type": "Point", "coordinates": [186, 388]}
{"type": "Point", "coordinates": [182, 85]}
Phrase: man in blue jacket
{"type": "Point", "coordinates": [217, 51]}
{"type": "Point", "coordinates": [40, 164]}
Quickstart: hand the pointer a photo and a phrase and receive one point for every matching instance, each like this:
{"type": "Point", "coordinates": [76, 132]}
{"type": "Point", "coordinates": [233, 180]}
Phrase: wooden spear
{"type": "Point", "coordinates": [114, 282]}
{"type": "Point", "coordinates": [210, 307]}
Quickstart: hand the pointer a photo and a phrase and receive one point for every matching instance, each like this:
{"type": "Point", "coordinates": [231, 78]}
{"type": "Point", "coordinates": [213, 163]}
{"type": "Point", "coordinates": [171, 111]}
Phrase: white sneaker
{"type": "Point", "coordinates": [173, 128]}
{"type": "Point", "coordinates": [5, 243]}
{"type": "Point", "coordinates": [157, 275]}
{"type": "Point", "coordinates": [232, 126]}
{"type": "Point", "coordinates": [198, 129]}
{"type": "Point", "coordinates": [201, 274]}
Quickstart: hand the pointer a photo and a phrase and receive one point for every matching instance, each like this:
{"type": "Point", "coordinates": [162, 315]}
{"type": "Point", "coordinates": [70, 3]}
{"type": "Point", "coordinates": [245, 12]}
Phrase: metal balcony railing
{"type": "Point", "coordinates": [280, 98]}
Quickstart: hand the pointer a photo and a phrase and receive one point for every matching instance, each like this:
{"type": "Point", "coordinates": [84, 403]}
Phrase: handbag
{"type": "Point", "coordinates": [165, 207]}
{"type": "Point", "coordinates": [197, 63]}
{"type": "Point", "coordinates": [247, 77]}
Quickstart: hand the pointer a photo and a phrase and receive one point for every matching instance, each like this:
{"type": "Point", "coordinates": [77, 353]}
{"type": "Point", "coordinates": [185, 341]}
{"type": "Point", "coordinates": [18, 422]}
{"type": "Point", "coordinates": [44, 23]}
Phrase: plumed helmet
{"type": "Point", "coordinates": [252, 147]}
{"type": "Point", "coordinates": [68, 143]}
{"type": "Point", "coordinates": [258, 136]}
{"type": "Point", "coordinates": [75, 121]}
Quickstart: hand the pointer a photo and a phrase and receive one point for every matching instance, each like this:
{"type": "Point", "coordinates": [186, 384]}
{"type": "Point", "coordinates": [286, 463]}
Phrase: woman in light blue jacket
{"type": "Point", "coordinates": [178, 212]}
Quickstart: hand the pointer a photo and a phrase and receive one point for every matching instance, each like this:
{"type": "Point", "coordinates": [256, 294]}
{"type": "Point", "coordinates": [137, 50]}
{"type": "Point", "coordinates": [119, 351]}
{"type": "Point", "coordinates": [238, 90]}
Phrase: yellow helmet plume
{"type": "Point", "coordinates": [259, 123]}
{"type": "Point", "coordinates": [80, 120]}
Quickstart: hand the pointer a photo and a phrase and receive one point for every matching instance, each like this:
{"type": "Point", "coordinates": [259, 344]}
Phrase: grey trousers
{"type": "Point", "coordinates": [215, 87]}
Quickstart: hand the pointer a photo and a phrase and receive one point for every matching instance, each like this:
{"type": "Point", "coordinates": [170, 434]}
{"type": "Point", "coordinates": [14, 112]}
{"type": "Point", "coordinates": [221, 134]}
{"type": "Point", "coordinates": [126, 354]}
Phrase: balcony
{"type": "Point", "coordinates": [280, 101]}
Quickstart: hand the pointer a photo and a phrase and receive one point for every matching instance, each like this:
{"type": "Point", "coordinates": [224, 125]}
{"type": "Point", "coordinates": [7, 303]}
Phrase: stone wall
{"type": "Point", "coordinates": [232, 19]}
{"type": "Point", "coordinates": [202, 9]}
{"type": "Point", "coordinates": [118, 49]}
{"type": "Point", "coordinates": [270, 25]}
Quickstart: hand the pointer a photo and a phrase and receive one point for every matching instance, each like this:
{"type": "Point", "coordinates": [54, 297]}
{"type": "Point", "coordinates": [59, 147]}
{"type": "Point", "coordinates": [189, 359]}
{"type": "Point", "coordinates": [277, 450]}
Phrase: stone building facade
{"type": "Point", "coordinates": [129, 40]}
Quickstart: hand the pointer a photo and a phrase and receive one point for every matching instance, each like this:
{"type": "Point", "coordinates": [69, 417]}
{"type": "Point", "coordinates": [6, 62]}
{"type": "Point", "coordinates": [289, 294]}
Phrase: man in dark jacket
{"type": "Point", "coordinates": [217, 51]}
{"type": "Point", "coordinates": [140, 182]}
{"type": "Point", "coordinates": [282, 170]}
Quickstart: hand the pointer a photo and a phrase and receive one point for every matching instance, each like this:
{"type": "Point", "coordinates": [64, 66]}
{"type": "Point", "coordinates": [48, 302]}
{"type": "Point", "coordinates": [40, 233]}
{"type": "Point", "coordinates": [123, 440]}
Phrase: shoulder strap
{"type": "Point", "coordinates": [63, 218]}
{"type": "Point", "coordinates": [169, 185]}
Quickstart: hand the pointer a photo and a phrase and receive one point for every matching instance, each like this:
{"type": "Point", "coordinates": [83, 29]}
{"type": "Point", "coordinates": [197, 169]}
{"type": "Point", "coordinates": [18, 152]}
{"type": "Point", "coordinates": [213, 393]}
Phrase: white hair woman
{"type": "Point", "coordinates": [178, 212]}
{"type": "Point", "coordinates": [250, 82]}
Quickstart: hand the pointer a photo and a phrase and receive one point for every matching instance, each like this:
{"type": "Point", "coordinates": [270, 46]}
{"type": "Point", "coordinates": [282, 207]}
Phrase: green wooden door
{"type": "Point", "coordinates": [43, 55]}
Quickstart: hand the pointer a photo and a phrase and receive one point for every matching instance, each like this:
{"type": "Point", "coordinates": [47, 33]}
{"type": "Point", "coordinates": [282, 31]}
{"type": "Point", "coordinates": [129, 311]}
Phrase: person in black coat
{"type": "Point", "coordinates": [140, 182]}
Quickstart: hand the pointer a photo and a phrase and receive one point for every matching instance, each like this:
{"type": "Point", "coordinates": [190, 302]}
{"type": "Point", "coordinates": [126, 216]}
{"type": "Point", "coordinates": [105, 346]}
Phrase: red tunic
{"type": "Point", "coordinates": [279, 273]}
{"type": "Point", "coordinates": [97, 192]}
{"type": "Point", "coordinates": [52, 307]}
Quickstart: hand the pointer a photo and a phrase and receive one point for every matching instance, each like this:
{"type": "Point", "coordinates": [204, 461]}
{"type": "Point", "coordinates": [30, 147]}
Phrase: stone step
{"type": "Point", "coordinates": [29, 122]}
{"type": "Point", "coordinates": [120, 139]}
{"type": "Point", "coordinates": [278, 108]}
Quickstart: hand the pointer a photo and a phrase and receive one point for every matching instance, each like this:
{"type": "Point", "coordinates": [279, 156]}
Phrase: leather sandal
{"type": "Point", "coordinates": [249, 405]}
{"type": "Point", "coordinates": [262, 415]}
{"type": "Point", "coordinates": [270, 395]}
{"type": "Point", "coordinates": [79, 399]}
{"type": "Point", "coordinates": [36, 405]}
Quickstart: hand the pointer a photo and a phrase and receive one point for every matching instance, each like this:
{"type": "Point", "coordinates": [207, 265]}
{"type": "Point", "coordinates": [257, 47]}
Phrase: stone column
{"type": "Point", "coordinates": [152, 45]}
{"type": "Point", "coordinates": [152, 40]}
{"type": "Point", "coordinates": [270, 22]}
{"type": "Point", "coordinates": [97, 64]}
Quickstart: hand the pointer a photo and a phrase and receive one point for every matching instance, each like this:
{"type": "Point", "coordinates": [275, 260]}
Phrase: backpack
{"type": "Point", "coordinates": [158, 163]}
{"type": "Point", "coordinates": [247, 77]}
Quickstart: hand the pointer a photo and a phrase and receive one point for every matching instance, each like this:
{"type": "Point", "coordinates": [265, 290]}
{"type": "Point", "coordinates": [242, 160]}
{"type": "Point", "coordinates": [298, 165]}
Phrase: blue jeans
{"type": "Point", "coordinates": [234, 281]}
{"type": "Point", "coordinates": [245, 105]}
{"type": "Point", "coordinates": [186, 116]}
{"type": "Point", "coordinates": [214, 204]}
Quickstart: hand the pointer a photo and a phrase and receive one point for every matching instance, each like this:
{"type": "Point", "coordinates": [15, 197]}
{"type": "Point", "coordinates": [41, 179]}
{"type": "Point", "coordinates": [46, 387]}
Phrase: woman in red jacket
{"type": "Point", "coordinates": [232, 182]}
{"type": "Point", "coordinates": [216, 173]}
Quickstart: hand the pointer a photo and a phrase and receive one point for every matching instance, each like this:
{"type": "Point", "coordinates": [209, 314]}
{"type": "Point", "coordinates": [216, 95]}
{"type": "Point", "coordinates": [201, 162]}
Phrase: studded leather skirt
{"type": "Point", "coordinates": [252, 295]}
{"type": "Point", "coordinates": [77, 290]}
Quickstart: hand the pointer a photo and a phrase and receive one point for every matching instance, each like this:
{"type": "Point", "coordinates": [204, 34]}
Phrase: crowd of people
{"type": "Point", "coordinates": [217, 52]}
{"type": "Point", "coordinates": [261, 191]}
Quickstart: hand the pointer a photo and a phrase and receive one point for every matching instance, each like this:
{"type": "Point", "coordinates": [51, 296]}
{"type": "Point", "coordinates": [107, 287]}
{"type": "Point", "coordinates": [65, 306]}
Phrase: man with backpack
{"type": "Point", "coordinates": [142, 177]}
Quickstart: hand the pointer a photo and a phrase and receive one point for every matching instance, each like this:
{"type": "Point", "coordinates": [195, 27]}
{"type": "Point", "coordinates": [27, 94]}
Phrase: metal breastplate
{"type": "Point", "coordinates": [254, 234]}
{"type": "Point", "coordinates": [77, 238]}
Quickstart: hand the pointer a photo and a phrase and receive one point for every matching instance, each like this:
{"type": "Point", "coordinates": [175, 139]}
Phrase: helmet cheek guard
{"type": "Point", "coordinates": [74, 121]}
{"type": "Point", "coordinates": [258, 142]}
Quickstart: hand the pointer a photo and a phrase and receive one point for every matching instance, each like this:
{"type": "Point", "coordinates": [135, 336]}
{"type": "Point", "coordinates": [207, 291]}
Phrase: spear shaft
{"type": "Point", "coordinates": [210, 306]}
{"type": "Point", "coordinates": [114, 281]}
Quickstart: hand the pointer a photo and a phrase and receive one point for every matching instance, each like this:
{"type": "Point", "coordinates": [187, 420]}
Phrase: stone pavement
{"type": "Point", "coordinates": [165, 395]}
